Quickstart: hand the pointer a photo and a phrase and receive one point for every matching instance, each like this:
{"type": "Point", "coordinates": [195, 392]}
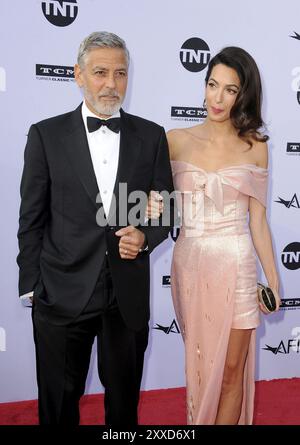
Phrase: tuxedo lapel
{"type": "Point", "coordinates": [77, 149]}
{"type": "Point", "coordinates": [130, 150]}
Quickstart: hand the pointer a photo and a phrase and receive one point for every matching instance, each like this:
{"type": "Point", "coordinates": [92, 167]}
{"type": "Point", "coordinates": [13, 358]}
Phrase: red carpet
{"type": "Point", "coordinates": [277, 402]}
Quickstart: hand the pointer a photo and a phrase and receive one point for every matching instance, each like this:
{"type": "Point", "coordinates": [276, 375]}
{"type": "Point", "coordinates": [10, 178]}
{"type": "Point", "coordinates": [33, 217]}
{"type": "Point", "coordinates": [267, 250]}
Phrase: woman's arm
{"type": "Point", "coordinates": [262, 241]}
{"type": "Point", "coordinates": [260, 230]}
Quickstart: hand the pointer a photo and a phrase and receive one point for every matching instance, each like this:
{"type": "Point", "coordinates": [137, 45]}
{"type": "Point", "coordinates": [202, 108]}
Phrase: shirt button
{"type": "Point", "coordinates": [104, 161]}
{"type": "Point", "coordinates": [105, 191]}
{"type": "Point", "coordinates": [103, 130]}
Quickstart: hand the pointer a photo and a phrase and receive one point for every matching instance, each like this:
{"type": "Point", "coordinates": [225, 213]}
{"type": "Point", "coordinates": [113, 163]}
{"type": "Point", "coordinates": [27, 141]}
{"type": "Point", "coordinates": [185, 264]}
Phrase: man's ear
{"type": "Point", "coordinates": [78, 75]}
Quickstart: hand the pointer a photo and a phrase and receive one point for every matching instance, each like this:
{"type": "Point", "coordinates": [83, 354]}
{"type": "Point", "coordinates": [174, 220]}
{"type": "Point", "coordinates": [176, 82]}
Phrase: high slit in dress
{"type": "Point", "coordinates": [213, 279]}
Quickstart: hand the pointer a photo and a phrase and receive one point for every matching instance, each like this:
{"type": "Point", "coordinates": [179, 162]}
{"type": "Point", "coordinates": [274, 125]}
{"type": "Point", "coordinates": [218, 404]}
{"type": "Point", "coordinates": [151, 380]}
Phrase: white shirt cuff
{"type": "Point", "coordinates": [25, 299]}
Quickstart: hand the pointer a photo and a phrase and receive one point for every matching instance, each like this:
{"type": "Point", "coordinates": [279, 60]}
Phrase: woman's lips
{"type": "Point", "coordinates": [216, 110]}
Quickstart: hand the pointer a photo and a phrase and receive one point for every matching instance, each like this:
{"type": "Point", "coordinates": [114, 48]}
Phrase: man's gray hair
{"type": "Point", "coordinates": [101, 39]}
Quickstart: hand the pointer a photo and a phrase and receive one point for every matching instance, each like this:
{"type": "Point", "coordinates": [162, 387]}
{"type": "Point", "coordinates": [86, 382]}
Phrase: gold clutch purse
{"type": "Point", "coordinates": [266, 297]}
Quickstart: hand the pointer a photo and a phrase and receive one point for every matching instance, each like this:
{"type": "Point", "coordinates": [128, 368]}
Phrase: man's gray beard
{"type": "Point", "coordinates": [106, 110]}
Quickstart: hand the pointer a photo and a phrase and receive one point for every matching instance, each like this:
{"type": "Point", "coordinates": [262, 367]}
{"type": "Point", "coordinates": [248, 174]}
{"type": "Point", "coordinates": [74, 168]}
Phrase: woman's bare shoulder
{"type": "Point", "coordinates": [176, 134]}
{"type": "Point", "coordinates": [260, 153]}
{"type": "Point", "coordinates": [185, 132]}
{"type": "Point", "coordinates": [179, 138]}
{"type": "Point", "coordinates": [176, 139]}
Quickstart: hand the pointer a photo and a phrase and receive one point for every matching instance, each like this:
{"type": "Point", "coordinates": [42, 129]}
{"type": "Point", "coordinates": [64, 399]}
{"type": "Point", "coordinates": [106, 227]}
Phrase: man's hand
{"type": "Point", "coordinates": [155, 205]}
{"type": "Point", "coordinates": [131, 241]}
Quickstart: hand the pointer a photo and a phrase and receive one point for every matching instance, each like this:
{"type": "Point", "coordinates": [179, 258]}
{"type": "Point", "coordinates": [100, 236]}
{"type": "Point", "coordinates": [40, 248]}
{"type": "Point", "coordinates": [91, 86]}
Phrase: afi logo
{"type": "Point", "coordinates": [2, 340]}
{"type": "Point", "coordinates": [60, 12]}
{"type": "Point", "coordinates": [290, 256]}
{"type": "Point", "coordinates": [292, 345]}
{"type": "Point", "coordinates": [292, 203]}
{"type": "Point", "coordinates": [173, 328]}
{"type": "Point", "coordinates": [195, 54]}
{"type": "Point", "coordinates": [2, 79]}
{"type": "Point", "coordinates": [296, 36]}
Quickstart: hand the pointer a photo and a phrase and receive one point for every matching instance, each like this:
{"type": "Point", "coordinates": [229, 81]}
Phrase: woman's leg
{"type": "Point", "coordinates": [231, 398]}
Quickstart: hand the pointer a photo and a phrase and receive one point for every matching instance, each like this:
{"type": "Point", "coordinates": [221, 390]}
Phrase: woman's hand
{"type": "Point", "coordinates": [278, 302]}
{"type": "Point", "coordinates": [155, 205]}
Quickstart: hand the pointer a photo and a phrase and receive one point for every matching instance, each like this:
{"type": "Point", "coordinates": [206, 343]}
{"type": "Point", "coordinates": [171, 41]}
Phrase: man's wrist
{"type": "Point", "coordinates": [145, 246]}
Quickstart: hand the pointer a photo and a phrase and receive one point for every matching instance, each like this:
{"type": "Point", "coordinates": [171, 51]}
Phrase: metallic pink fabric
{"type": "Point", "coordinates": [213, 278]}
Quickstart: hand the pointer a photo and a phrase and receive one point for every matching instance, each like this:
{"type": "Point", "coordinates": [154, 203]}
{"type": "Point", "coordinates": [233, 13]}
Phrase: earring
{"type": "Point", "coordinates": [204, 104]}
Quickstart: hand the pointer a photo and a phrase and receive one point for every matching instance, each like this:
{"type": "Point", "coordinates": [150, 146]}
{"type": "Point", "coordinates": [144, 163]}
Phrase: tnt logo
{"type": "Point", "coordinates": [2, 79]}
{"type": "Point", "coordinates": [60, 12]}
{"type": "Point", "coordinates": [2, 340]}
{"type": "Point", "coordinates": [195, 54]}
{"type": "Point", "coordinates": [290, 256]}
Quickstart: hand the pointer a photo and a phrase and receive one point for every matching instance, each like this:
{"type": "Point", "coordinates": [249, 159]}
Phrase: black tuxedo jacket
{"type": "Point", "coordinates": [62, 247]}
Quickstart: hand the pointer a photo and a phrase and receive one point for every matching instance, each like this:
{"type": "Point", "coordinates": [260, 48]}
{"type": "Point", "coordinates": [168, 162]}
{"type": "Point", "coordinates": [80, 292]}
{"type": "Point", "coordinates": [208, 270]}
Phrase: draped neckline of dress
{"type": "Point", "coordinates": [229, 167]}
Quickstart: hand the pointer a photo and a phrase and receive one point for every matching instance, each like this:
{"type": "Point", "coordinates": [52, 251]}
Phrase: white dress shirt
{"type": "Point", "coordinates": [104, 146]}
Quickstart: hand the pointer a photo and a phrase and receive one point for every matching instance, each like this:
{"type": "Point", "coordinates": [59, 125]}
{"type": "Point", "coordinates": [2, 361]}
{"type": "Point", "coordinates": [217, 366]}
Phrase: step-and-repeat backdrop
{"type": "Point", "coordinates": [171, 43]}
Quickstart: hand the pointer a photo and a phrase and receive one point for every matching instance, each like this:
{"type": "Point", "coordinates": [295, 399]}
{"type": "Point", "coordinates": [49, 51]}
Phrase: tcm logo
{"type": "Point", "coordinates": [188, 113]}
{"type": "Point", "coordinates": [290, 256]}
{"type": "Point", "coordinates": [290, 303]}
{"type": "Point", "coordinates": [172, 329]}
{"type": "Point", "coordinates": [195, 54]}
{"type": "Point", "coordinates": [2, 340]}
{"type": "Point", "coordinates": [2, 79]}
{"type": "Point", "coordinates": [55, 72]}
{"type": "Point", "coordinates": [293, 148]}
{"type": "Point", "coordinates": [294, 202]}
{"type": "Point", "coordinates": [60, 12]}
{"type": "Point", "coordinates": [292, 344]}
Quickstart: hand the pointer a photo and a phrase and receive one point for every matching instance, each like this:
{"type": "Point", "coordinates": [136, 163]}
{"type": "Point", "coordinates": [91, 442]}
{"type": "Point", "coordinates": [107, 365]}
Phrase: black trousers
{"type": "Point", "coordinates": [63, 357]}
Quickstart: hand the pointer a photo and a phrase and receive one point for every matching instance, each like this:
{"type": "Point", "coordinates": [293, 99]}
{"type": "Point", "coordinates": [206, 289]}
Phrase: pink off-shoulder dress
{"type": "Point", "coordinates": [213, 278]}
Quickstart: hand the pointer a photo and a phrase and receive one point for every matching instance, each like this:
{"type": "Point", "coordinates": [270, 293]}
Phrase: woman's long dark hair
{"type": "Point", "coordinates": [246, 111]}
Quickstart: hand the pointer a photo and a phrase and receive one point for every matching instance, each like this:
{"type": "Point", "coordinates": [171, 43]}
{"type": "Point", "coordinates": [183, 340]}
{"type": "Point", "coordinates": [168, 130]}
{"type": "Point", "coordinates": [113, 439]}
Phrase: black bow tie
{"type": "Point", "coordinates": [93, 124]}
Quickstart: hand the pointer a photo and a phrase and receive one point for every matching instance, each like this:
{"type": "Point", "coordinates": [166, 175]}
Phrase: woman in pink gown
{"type": "Point", "coordinates": [220, 174]}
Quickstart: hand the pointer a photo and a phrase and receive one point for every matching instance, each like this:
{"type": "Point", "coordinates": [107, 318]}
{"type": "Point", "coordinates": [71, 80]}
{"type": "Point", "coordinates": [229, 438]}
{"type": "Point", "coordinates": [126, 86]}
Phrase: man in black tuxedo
{"type": "Point", "coordinates": [88, 279]}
